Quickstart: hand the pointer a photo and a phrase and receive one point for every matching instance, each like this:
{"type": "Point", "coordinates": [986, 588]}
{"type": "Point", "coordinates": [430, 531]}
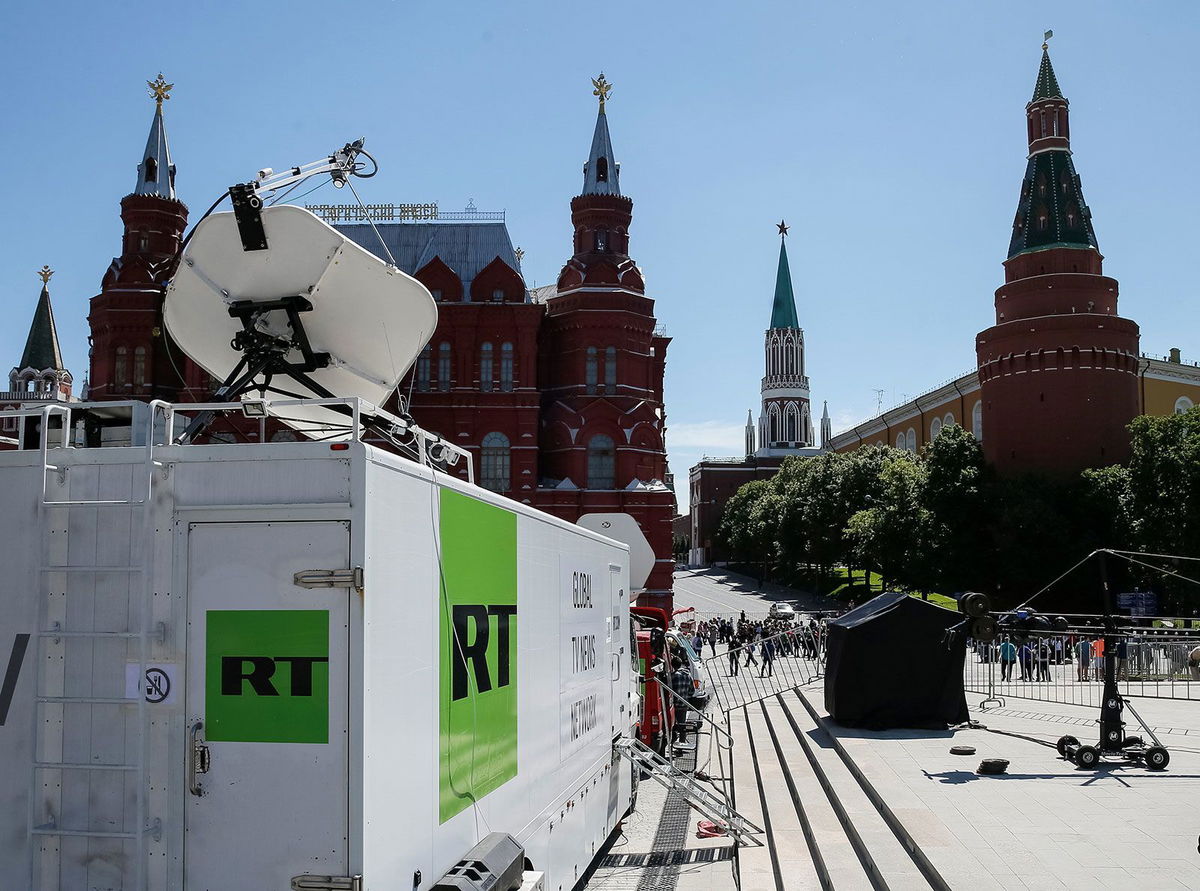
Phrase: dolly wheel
{"type": "Point", "coordinates": [1087, 756]}
{"type": "Point", "coordinates": [1064, 742]}
{"type": "Point", "coordinates": [1157, 758]}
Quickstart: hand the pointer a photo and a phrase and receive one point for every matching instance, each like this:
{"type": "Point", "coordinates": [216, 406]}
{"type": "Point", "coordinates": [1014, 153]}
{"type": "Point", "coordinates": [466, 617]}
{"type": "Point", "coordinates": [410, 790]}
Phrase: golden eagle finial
{"type": "Point", "coordinates": [44, 274]}
{"type": "Point", "coordinates": [602, 89]}
{"type": "Point", "coordinates": [159, 89]}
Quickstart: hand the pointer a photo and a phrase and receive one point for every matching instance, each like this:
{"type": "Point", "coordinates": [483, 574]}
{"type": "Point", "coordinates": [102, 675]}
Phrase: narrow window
{"type": "Point", "coordinates": [495, 463]}
{"type": "Point", "coordinates": [977, 421]}
{"type": "Point", "coordinates": [444, 367]}
{"type": "Point", "coordinates": [590, 370]}
{"type": "Point", "coordinates": [602, 169]}
{"type": "Point", "coordinates": [601, 240]}
{"type": "Point", "coordinates": [498, 295]}
{"type": "Point", "coordinates": [121, 367]}
{"type": "Point", "coordinates": [485, 368]}
{"type": "Point", "coordinates": [790, 424]}
{"type": "Point", "coordinates": [139, 367]}
{"type": "Point", "coordinates": [423, 368]}
{"type": "Point", "coordinates": [151, 170]}
{"type": "Point", "coordinates": [610, 370]}
{"type": "Point", "coordinates": [601, 463]}
{"type": "Point", "coordinates": [506, 367]}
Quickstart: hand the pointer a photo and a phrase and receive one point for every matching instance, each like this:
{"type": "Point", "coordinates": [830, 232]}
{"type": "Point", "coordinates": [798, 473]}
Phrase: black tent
{"type": "Point", "coordinates": [891, 664]}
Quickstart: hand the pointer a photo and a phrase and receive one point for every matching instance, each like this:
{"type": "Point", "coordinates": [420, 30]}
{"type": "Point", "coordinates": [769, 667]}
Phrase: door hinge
{"type": "Point", "coordinates": [330, 578]}
{"type": "Point", "coordinates": [327, 883]}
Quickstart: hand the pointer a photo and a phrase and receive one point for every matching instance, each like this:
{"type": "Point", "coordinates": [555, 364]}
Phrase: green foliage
{"type": "Point", "coordinates": [941, 521]}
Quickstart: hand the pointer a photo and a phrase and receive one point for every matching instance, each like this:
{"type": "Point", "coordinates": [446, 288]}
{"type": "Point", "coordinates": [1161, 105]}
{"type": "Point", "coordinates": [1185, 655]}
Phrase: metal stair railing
{"type": "Point", "coordinates": [687, 706]}
{"type": "Point", "coordinates": [689, 788]}
{"type": "Point", "coordinates": [747, 687]}
{"type": "Point", "coordinates": [58, 703]}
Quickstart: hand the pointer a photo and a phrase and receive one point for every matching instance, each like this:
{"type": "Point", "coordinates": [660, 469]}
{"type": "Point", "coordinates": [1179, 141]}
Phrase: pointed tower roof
{"type": "Point", "coordinates": [783, 311]}
{"type": "Point", "coordinates": [156, 173]}
{"type": "Point", "coordinates": [1046, 86]}
{"type": "Point", "coordinates": [41, 347]}
{"type": "Point", "coordinates": [1051, 211]}
{"type": "Point", "coordinates": [601, 175]}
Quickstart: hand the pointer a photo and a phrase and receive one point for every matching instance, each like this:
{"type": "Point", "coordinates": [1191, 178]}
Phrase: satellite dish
{"type": "Point", "coordinates": [339, 320]}
{"type": "Point", "coordinates": [625, 528]}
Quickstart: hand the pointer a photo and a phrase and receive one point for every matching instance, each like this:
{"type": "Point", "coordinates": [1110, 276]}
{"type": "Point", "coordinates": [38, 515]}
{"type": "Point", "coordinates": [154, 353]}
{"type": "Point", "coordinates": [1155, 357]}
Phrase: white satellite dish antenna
{"type": "Point", "coordinates": [273, 300]}
{"type": "Point", "coordinates": [625, 528]}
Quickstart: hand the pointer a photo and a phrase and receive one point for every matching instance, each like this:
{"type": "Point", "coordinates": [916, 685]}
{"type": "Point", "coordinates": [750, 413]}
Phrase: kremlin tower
{"type": "Point", "coordinates": [785, 421]}
{"type": "Point", "coordinates": [1058, 371]}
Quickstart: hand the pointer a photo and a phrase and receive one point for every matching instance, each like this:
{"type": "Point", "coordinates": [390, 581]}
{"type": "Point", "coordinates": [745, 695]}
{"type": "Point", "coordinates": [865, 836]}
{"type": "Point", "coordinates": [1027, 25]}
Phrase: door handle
{"type": "Point", "coordinates": [198, 758]}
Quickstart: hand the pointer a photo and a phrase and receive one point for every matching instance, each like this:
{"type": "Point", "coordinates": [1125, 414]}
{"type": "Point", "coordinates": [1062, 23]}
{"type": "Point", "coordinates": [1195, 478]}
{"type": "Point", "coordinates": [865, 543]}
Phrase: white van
{"type": "Point", "coordinates": [700, 692]}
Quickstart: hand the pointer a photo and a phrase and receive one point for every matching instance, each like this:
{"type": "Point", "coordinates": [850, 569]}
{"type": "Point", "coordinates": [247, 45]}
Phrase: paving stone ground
{"type": "Point", "coordinates": [1045, 823]}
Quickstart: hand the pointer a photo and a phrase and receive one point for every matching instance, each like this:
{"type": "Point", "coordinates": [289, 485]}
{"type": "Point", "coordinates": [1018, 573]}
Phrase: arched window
{"type": "Point", "coordinates": [590, 370]}
{"type": "Point", "coordinates": [773, 422]}
{"type": "Point", "coordinates": [139, 367]}
{"type": "Point", "coordinates": [910, 440]}
{"type": "Point", "coordinates": [423, 369]}
{"type": "Point", "coordinates": [121, 367]}
{"type": "Point", "coordinates": [789, 424]}
{"type": "Point", "coordinates": [601, 240]}
{"type": "Point", "coordinates": [495, 463]}
{"type": "Point", "coordinates": [899, 440]}
{"type": "Point", "coordinates": [948, 420]}
{"type": "Point", "coordinates": [610, 370]}
{"type": "Point", "coordinates": [151, 170]}
{"type": "Point", "coordinates": [977, 421]}
{"type": "Point", "coordinates": [506, 367]}
{"type": "Point", "coordinates": [485, 368]}
{"type": "Point", "coordinates": [602, 169]}
{"type": "Point", "coordinates": [1182, 404]}
{"type": "Point", "coordinates": [935, 428]}
{"type": "Point", "coordinates": [601, 462]}
{"type": "Point", "coordinates": [443, 369]}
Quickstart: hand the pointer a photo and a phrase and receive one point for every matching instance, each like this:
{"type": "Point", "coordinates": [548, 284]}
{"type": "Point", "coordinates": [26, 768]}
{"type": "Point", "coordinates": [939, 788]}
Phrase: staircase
{"type": "Point", "coordinates": [89, 815]}
{"type": "Point", "coordinates": [823, 830]}
{"type": "Point", "coordinates": [695, 792]}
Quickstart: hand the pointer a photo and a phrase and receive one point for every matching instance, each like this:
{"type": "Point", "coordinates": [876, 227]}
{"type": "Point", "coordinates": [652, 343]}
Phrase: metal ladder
{"type": "Point", "coordinates": [87, 619]}
{"type": "Point", "coordinates": [704, 800]}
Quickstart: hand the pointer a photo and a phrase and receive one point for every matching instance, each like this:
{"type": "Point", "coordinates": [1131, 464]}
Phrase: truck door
{"type": "Point", "coordinates": [265, 750]}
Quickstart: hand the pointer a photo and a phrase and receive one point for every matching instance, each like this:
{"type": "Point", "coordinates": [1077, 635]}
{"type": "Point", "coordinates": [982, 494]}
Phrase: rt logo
{"type": "Point", "coordinates": [258, 671]}
{"type": "Point", "coordinates": [473, 648]}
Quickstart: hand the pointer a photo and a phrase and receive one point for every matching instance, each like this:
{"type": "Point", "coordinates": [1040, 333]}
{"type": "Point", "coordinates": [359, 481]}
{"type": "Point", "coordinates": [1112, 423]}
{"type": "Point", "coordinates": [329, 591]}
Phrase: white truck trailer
{"type": "Point", "coordinates": [295, 665]}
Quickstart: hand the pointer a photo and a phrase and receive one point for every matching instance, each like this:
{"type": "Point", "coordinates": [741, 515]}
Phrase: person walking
{"type": "Point", "coordinates": [733, 659]}
{"type": "Point", "coordinates": [768, 656]}
{"type": "Point", "coordinates": [749, 648]}
{"type": "Point", "coordinates": [1008, 658]}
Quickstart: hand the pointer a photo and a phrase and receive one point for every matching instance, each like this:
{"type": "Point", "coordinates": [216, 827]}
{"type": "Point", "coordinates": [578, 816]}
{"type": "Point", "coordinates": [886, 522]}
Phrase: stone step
{"type": "Point", "coordinates": [892, 861]}
{"type": "Point", "coordinates": [783, 759]}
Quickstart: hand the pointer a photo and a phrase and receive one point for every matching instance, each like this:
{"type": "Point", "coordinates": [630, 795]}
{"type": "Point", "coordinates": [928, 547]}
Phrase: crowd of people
{"type": "Point", "coordinates": [759, 642]}
{"type": "Point", "coordinates": [1034, 655]}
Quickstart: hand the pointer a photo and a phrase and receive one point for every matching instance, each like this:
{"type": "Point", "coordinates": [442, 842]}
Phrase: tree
{"type": "Point", "coordinates": [747, 524]}
{"type": "Point", "coordinates": [956, 494]}
{"type": "Point", "coordinates": [890, 534]}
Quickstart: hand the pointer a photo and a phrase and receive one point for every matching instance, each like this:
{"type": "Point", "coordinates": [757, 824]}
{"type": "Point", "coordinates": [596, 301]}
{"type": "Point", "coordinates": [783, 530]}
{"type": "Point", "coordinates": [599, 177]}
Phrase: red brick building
{"type": "Point", "coordinates": [558, 393]}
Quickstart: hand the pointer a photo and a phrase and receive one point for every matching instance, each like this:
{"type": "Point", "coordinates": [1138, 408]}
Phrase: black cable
{"type": "Point", "coordinates": [188, 237]}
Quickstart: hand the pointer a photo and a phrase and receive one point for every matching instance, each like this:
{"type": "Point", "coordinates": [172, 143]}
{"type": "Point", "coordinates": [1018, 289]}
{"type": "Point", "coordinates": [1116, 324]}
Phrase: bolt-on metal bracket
{"type": "Point", "coordinates": [327, 883]}
{"type": "Point", "coordinates": [330, 578]}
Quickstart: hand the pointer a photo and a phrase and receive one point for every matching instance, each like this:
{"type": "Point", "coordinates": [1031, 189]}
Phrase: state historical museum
{"type": "Point", "coordinates": [557, 392]}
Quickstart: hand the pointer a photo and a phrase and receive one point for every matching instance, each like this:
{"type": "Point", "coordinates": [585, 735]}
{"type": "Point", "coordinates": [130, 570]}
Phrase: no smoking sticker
{"type": "Point", "coordinates": [156, 684]}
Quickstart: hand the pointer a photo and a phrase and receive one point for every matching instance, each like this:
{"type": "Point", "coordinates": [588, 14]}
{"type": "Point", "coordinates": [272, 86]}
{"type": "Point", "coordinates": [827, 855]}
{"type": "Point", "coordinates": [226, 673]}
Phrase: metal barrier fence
{"type": "Point", "coordinates": [743, 674]}
{"type": "Point", "coordinates": [1053, 668]}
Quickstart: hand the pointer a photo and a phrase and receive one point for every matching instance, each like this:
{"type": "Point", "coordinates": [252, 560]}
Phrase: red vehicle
{"type": "Point", "coordinates": [658, 716]}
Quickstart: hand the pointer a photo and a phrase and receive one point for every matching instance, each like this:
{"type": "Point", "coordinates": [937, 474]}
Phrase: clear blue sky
{"type": "Point", "coordinates": [890, 136]}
